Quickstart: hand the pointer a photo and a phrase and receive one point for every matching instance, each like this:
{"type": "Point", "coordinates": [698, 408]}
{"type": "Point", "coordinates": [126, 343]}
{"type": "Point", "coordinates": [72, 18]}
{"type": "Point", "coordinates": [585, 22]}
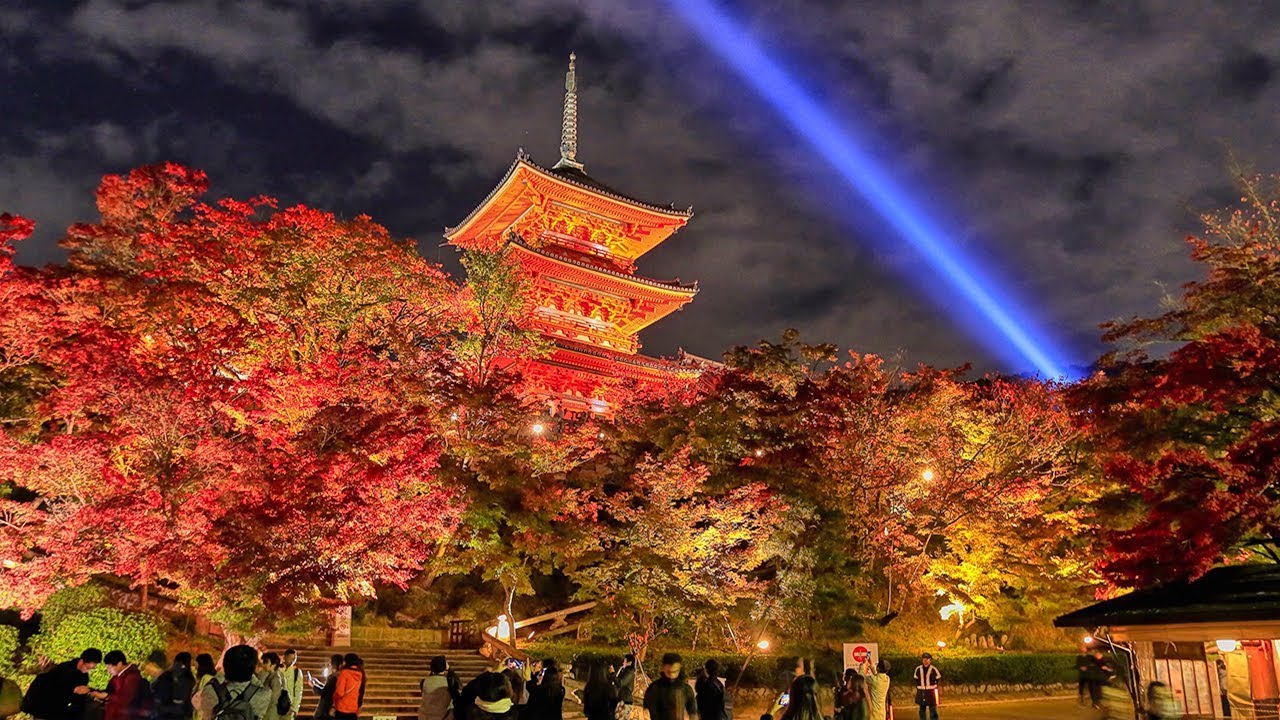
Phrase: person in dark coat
{"type": "Point", "coordinates": [171, 692]}
{"type": "Point", "coordinates": [325, 688]}
{"type": "Point", "coordinates": [1084, 661]}
{"type": "Point", "coordinates": [514, 673]}
{"type": "Point", "coordinates": [599, 696]}
{"type": "Point", "coordinates": [60, 692]}
{"type": "Point", "coordinates": [670, 697]}
{"type": "Point", "coordinates": [710, 692]}
{"type": "Point", "coordinates": [625, 681]}
{"type": "Point", "coordinates": [546, 698]}
{"type": "Point", "coordinates": [490, 695]}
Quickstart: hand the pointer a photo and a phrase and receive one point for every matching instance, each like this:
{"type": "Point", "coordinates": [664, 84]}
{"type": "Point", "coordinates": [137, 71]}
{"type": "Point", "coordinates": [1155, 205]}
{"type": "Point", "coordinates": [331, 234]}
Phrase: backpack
{"type": "Point", "coordinates": [284, 705]}
{"type": "Point", "coordinates": [234, 707]}
{"type": "Point", "coordinates": [184, 686]}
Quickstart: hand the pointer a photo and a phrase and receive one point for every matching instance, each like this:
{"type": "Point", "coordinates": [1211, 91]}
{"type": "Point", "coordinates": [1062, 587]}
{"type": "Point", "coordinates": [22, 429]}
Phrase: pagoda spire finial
{"type": "Point", "coordinates": [569, 126]}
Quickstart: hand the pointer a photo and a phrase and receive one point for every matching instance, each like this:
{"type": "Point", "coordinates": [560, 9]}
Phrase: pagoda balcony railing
{"type": "Point", "coordinates": [573, 244]}
{"type": "Point", "coordinates": [583, 329]}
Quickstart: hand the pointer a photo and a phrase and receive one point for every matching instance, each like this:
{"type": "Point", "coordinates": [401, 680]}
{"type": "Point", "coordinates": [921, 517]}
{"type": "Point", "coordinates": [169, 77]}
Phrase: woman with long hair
{"type": "Point", "coordinates": [205, 672]}
{"type": "Point", "coordinates": [546, 699]}
{"type": "Point", "coordinates": [803, 701]}
{"type": "Point", "coordinates": [600, 695]}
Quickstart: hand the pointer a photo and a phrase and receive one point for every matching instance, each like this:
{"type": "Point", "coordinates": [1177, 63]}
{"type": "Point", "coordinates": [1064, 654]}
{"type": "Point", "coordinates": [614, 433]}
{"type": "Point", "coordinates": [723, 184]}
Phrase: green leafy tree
{"type": "Point", "coordinates": [675, 548]}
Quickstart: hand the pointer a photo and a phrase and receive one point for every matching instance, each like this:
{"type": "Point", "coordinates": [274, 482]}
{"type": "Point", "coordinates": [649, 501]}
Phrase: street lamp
{"type": "Point", "coordinates": [763, 645]}
{"type": "Point", "coordinates": [926, 475]}
{"type": "Point", "coordinates": [538, 428]}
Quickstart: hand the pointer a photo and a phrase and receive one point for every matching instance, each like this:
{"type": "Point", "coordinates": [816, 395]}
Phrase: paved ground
{"type": "Point", "coordinates": [1033, 709]}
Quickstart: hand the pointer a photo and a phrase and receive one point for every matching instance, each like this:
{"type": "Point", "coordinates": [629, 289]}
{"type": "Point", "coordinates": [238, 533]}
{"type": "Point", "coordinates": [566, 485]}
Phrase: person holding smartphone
{"type": "Point", "coordinates": [801, 700]}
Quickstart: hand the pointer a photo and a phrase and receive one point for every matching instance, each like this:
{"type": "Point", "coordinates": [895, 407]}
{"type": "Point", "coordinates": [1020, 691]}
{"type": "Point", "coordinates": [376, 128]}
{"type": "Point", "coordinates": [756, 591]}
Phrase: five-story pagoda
{"type": "Point", "coordinates": [578, 241]}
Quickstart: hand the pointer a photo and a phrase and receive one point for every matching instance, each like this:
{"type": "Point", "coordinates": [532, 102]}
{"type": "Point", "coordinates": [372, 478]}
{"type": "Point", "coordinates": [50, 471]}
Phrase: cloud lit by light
{"type": "Point", "coordinates": [1005, 330]}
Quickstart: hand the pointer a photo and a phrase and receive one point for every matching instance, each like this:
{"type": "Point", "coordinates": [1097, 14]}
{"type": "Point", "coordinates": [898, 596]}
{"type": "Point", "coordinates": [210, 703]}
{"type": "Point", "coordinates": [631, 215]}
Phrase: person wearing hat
{"type": "Point", "coordinates": [927, 678]}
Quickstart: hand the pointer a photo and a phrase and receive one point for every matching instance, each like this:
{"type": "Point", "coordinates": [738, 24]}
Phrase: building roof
{"type": "Point", "coordinates": [1236, 593]}
{"type": "Point", "coordinates": [674, 286]}
{"type": "Point", "coordinates": [635, 360]}
{"type": "Point", "coordinates": [578, 176]}
{"type": "Point", "coordinates": [574, 177]}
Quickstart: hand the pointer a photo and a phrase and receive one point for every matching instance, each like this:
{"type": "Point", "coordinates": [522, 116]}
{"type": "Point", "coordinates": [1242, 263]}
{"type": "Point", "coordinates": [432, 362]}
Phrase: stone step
{"type": "Point", "coordinates": [393, 676]}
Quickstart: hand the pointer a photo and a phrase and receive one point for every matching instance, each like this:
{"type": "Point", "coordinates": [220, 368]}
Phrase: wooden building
{"type": "Point", "coordinates": [1215, 641]}
{"type": "Point", "coordinates": [578, 240]}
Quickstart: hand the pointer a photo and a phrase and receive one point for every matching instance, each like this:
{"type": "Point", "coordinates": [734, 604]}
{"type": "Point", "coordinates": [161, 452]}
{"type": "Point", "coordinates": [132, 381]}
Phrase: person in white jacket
{"type": "Point", "coordinates": [294, 682]}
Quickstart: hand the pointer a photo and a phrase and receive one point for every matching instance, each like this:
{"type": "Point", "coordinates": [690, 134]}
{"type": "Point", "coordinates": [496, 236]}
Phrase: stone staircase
{"type": "Point", "coordinates": [393, 676]}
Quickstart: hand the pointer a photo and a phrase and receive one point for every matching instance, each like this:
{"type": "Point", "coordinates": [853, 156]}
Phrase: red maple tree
{"type": "Point", "coordinates": [1184, 413]}
{"type": "Point", "coordinates": [241, 400]}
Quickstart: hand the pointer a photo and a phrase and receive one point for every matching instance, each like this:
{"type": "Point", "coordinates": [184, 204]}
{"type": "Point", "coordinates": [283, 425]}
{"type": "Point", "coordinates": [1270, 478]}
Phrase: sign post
{"type": "Point", "coordinates": [861, 656]}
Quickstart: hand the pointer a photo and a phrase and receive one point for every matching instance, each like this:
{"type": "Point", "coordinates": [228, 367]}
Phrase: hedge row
{"type": "Point", "coordinates": [773, 671]}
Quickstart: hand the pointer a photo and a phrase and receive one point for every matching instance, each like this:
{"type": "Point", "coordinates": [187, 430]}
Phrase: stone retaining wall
{"type": "Point", "coordinates": [398, 637]}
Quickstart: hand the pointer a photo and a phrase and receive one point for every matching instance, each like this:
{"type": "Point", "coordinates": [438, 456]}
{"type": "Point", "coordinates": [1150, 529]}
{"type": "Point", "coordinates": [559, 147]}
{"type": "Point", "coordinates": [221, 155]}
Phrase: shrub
{"type": "Point", "coordinates": [1003, 668]}
{"type": "Point", "coordinates": [773, 671]}
{"type": "Point", "coordinates": [8, 651]}
{"type": "Point", "coordinates": [107, 629]}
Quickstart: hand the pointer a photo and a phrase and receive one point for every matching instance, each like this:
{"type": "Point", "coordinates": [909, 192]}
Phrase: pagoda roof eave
{"type": "Point", "coordinates": [522, 160]}
{"type": "Point", "coordinates": [596, 187]}
{"type": "Point", "coordinates": [652, 365]}
{"type": "Point", "coordinates": [669, 286]}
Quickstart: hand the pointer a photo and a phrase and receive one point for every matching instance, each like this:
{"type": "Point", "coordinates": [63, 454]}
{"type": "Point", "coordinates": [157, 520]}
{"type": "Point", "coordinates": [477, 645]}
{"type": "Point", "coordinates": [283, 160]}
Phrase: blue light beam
{"type": "Point", "coordinates": [735, 45]}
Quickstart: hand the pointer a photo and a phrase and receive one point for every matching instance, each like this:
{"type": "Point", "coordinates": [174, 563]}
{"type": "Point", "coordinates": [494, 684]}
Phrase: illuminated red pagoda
{"type": "Point", "coordinates": [579, 240]}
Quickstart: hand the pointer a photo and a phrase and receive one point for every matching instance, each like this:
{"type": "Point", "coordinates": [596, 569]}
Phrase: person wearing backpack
{"type": "Point", "coordinates": [269, 676]}
{"type": "Point", "coordinates": [293, 682]}
{"type": "Point", "coordinates": [60, 692]}
{"type": "Point", "coordinates": [171, 692]}
{"type": "Point", "coordinates": [235, 694]}
{"type": "Point", "coordinates": [348, 694]}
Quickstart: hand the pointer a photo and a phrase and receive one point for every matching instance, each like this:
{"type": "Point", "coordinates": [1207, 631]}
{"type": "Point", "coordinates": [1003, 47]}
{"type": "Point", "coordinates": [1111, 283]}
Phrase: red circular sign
{"type": "Point", "coordinates": [860, 654]}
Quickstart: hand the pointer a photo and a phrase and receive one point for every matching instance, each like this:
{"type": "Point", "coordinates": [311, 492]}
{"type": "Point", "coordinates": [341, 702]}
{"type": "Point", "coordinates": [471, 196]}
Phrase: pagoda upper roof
{"type": "Point", "coordinates": [669, 286]}
{"type": "Point", "coordinates": [504, 205]}
{"type": "Point", "coordinates": [578, 176]}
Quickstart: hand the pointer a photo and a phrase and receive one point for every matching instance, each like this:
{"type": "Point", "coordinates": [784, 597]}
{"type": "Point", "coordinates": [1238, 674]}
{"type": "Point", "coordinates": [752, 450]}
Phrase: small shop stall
{"type": "Point", "coordinates": [1214, 642]}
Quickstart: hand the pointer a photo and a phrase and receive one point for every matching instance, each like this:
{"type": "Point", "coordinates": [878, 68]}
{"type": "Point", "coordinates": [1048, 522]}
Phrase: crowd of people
{"type": "Point", "coordinates": [253, 685]}
{"type": "Point", "coordinates": [250, 686]}
{"type": "Point", "coordinates": [511, 693]}
{"type": "Point", "coordinates": [609, 693]}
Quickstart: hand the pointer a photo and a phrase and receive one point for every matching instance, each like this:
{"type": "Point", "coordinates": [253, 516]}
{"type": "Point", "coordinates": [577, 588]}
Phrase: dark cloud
{"type": "Point", "coordinates": [1066, 145]}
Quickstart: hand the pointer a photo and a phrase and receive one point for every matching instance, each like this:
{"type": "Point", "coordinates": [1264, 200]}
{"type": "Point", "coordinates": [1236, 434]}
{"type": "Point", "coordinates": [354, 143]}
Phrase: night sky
{"type": "Point", "coordinates": [1066, 145]}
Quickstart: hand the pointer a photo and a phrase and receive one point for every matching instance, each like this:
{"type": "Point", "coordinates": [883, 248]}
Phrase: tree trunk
{"type": "Point", "coordinates": [511, 615]}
